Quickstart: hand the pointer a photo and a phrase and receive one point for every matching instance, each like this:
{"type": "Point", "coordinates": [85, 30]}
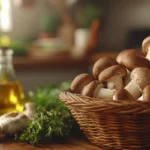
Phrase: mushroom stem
{"type": "Point", "coordinates": [140, 98]}
{"type": "Point", "coordinates": [146, 93]}
{"type": "Point", "coordinates": [30, 109]}
{"type": "Point", "coordinates": [104, 93]}
{"type": "Point", "coordinates": [133, 89]}
{"type": "Point", "coordinates": [148, 53]}
{"type": "Point", "coordinates": [115, 82]}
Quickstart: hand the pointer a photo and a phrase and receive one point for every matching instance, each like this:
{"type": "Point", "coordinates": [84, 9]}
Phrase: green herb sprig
{"type": "Point", "coordinates": [52, 120]}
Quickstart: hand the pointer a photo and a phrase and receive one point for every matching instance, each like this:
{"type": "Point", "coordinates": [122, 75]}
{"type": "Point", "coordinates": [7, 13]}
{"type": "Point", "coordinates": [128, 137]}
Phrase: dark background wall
{"type": "Point", "coordinates": [126, 23]}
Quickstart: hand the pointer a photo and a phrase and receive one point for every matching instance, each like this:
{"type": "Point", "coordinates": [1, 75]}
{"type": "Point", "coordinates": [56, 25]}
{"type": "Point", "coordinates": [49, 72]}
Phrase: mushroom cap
{"type": "Point", "coordinates": [13, 122]}
{"type": "Point", "coordinates": [102, 64]}
{"type": "Point", "coordinates": [90, 88]}
{"type": "Point", "coordinates": [145, 45]}
{"type": "Point", "coordinates": [146, 93]}
{"type": "Point", "coordinates": [141, 76]}
{"type": "Point", "coordinates": [132, 58]}
{"type": "Point", "coordinates": [122, 94]}
{"type": "Point", "coordinates": [118, 70]}
{"type": "Point", "coordinates": [80, 81]}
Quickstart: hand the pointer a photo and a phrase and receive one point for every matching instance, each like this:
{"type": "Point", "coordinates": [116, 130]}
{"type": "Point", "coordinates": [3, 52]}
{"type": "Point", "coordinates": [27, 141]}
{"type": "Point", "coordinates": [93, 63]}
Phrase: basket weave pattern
{"type": "Point", "coordinates": [110, 124]}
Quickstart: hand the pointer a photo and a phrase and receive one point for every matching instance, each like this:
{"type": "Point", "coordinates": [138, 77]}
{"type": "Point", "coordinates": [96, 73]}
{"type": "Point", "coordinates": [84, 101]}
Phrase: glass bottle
{"type": "Point", "coordinates": [11, 93]}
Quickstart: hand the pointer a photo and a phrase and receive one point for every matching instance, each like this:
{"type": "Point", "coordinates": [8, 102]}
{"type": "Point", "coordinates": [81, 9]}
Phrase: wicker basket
{"type": "Point", "coordinates": [110, 124]}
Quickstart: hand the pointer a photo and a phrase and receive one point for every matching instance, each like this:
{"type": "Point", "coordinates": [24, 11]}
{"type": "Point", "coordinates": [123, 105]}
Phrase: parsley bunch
{"type": "Point", "coordinates": [52, 120]}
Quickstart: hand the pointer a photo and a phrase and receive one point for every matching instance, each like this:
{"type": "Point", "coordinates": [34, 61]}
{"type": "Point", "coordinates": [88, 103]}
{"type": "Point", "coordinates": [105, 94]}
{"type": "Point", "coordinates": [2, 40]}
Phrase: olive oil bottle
{"type": "Point", "coordinates": [11, 92]}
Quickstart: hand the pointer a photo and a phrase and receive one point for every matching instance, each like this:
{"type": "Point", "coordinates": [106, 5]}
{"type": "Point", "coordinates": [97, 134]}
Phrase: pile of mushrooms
{"type": "Point", "coordinates": [125, 78]}
{"type": "Point", "coordinates": [14, 122]}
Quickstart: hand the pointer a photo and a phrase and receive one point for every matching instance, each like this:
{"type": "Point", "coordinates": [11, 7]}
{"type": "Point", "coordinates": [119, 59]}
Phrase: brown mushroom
{"type": "Point", "coordinates": [96, 89]}
{"type": "Point", "coordinates": [90, 88]}
{"type": "Point", "coordinates": [102, 64]}
{"type": "Point", "coordinates": [122, 94]}
{"type": "Point", "coordinates": [146, 47]}
{"type": "Point", "coordinates": [132, 58]}
{"type": "Point", "coordinates": [80, 81]}
{"type": "Point", "coordinates": [140, 77]}
{"type": "Point", "coordinates": [113, 76]}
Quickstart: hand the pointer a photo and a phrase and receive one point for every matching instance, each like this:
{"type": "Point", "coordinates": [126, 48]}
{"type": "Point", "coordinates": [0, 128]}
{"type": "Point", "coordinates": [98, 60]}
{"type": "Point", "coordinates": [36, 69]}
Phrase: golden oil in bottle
{"type": "Point", "coordinates": [11, 97]}
{"type": "Point", "coordinates": [11, 92]}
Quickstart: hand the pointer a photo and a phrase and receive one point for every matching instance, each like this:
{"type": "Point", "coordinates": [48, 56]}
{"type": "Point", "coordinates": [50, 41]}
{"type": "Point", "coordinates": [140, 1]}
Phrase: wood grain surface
{"type": "Point", "coordinates": [70, 144]}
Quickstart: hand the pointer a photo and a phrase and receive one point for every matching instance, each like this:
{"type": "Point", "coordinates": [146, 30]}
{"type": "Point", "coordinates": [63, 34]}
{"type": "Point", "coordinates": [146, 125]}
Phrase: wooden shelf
{"type": "Point", "coordinates": [58, 61]}
{"type": "Point", "coordinates": [95, 56]}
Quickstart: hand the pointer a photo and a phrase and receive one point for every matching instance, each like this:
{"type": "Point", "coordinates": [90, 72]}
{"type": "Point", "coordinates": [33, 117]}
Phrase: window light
{"type": "Point", "coordinates": [5, 16]}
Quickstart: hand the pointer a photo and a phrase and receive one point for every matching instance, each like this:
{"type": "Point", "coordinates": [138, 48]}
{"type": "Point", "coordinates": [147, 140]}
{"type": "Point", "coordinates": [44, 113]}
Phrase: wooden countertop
{"type": "Point", "coordinates": [65, 61]}
{"type": "Point", "coordinates": [71, 144]}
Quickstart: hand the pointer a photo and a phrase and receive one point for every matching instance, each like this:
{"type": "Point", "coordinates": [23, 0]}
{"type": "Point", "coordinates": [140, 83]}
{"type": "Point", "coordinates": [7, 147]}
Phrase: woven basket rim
{"type": "Point", "coordinates": [91, 104]}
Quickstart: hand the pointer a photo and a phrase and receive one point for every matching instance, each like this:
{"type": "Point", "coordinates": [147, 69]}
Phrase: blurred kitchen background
{"type": "Point", "coordinates": [54, 40]}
